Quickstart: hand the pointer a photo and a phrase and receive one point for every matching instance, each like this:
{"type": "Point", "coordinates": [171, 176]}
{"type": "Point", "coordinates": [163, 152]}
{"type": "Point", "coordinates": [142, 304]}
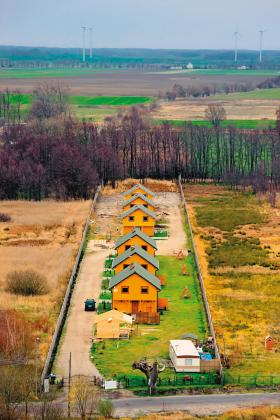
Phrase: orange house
{"type": "Point", "coordinates": [135, 290]}
{"type": "Point", "coordinates": [139, 199]}
{"type": "Point", "coordinates": [135, 254]}
{"type": "Point", "coordinates": [139, 217]}
{"type": "Point", "coordinates": [136, 237]}
{"type": "Point", "coordinates": [136, 189]}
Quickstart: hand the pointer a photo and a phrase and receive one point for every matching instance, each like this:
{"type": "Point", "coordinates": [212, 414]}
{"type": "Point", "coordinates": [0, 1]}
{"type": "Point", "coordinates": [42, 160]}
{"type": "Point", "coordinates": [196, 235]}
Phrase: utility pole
{"type": "Point", "coordinates": [236, 46]}
{"type": "Point", "coordinates": [90, 42]}
{"type": "Point", "coordinates": [84, 42]}
{"type": "Point", "coordinates": [36, 365]}
{"type": "Point", "coordinates": [69, 385]}
{"type": "Point", "coordinates": [261, 32]}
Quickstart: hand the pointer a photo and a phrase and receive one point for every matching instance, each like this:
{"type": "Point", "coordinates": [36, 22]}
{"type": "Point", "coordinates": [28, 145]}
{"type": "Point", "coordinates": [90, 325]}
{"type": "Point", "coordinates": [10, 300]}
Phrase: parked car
{"type": "Point", "coordinates": [90, 305]}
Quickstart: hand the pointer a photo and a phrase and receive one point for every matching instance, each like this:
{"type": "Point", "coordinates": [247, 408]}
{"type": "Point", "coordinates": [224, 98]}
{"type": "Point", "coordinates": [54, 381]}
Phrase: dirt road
{"type": "Point", "coordinates": [170, 207]}
{"type": "Point", "coordinates": [78, 329]}
{"type": "Point", "coordinates": [200, 405]}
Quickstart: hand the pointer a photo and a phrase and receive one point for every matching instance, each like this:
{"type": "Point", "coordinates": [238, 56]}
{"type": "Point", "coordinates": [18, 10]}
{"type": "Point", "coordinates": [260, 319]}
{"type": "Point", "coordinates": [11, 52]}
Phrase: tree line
{"type": "Point", "coordinates": [66, 159]}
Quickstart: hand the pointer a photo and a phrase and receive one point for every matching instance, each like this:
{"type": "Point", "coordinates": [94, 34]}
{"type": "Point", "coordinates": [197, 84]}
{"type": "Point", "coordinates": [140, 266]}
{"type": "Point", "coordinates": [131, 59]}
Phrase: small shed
{"type": "Point", "coordinates": [269, 343]}
{"type": "Point", "coordinates": [184, 356]}
{"type": "Point", "coordinates": [113, 324]}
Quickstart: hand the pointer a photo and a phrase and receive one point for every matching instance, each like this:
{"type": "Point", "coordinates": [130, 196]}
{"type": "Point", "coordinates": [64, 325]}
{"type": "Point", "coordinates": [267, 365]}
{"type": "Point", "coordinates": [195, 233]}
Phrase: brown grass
{"type": "Point", "coordinates": [254, 413]}
{"type": "Point", "coordinates": [44, 237]}
{"type": "Point", "coordinates": [244, 301]}
{"type": "Point", "coordinates": [153, 184]}
{"type": "Point", "coordinates": [194, 109]}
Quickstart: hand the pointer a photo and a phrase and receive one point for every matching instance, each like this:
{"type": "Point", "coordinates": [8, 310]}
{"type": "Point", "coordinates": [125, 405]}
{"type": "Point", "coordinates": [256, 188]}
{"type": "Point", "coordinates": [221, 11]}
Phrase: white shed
{"type": "Point", "coordinates": [184, 356]}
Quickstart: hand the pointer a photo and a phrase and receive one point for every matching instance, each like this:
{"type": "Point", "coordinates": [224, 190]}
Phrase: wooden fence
{"type": "Point", "coordinates": [67, 296]}
{"type": "Point", "coordinates": [147, 318]}
{"type": "Point", "coordinates": [200, 277]}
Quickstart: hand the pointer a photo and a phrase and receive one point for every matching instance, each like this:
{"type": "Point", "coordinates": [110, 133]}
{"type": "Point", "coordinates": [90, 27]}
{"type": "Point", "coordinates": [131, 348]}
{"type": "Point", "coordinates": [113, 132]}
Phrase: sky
{"type": "Point", "coordinates": [182, 24]}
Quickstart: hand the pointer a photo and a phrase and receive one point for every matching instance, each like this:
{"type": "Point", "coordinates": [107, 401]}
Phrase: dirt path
{"type": "Point", "coordinates": [170, 206]}
{"type": "Point", "coordinates": [78, 329]}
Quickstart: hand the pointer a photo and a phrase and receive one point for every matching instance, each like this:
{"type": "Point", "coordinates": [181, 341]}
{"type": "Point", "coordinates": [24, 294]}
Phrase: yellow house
{"type": "Point", "coordinates": [135, 290]}
{"type": "Point", "coordinates": [139, 217]}
{"type": "Point", "coordinates": [135, 254]}
{"type": "Point", "coordinates": [136, 237]}
{"type": "Point", "coordinates": [136, 189]}
{"type": "Point", "coordinates": [139, 199]}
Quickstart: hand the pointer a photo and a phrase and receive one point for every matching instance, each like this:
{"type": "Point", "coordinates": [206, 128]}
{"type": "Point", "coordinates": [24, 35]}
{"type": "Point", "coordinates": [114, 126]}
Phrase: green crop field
{"type": "Point", "coordinates": [273, 94]}
{"type": "Point", "coordinates": [89, 101]}
{"type": "Point", "coordinates": [16, 73]}
{"type": "Point", "coordinates": [242, 124]}
{"type": "Point", "coordinates": [224, 72]}
{"type": "Point", "coordinates": [92, 108]}
{"type": "Point", "coordinates": [183, 316]}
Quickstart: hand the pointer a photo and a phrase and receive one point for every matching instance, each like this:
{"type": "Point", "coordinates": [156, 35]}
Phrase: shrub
{"type": "Point", "coordinates": [105, 408]}
{"type": "Point", "coordinates": [26, 283]}
{"type": "Point", "coordinates": [4, 217]}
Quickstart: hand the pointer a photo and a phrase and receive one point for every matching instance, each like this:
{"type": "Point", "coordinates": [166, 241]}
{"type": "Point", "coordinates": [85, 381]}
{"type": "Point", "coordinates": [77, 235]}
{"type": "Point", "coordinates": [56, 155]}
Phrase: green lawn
{"type": "Point", "coordinates": [184, 315]}
{"type": "Point", "coordinates": [242, 124]}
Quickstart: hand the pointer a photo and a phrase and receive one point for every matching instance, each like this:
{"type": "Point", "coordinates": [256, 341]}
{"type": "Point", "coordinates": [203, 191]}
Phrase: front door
{"type": "Point", "coordinates": [134, 306]}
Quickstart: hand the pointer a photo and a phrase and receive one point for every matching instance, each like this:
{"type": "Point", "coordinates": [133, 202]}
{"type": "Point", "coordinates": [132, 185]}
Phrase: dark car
{"type": "Point", "coordinates": [90, 305]}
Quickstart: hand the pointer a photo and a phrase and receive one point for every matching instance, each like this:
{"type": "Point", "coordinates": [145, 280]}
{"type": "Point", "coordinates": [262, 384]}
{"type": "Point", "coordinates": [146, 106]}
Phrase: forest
{"type": "Point", "coordinates": [62, 158]}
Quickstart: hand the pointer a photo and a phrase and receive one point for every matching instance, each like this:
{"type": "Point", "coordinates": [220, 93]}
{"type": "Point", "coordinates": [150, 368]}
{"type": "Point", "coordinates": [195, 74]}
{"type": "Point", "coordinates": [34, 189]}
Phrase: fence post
{"type": "Point", "coordinates": [201, 282]}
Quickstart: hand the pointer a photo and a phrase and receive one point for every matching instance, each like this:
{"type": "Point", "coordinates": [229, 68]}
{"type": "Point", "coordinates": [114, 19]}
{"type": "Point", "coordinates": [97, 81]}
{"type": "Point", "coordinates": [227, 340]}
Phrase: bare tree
{"type": "Point", "coordinates": [215, 113]}
{"type": "Point", "coordinates": [83, 396]}
{"type": "Point", "coordinates": [50, 101]}
{"type": "Point", "coordinates": [151, 370]}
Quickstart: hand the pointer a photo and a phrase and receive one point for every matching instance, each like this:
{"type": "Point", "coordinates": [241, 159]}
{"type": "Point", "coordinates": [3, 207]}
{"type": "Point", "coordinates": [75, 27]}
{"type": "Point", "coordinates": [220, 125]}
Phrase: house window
{"type": "Point", "coordinates": [127, 247]}
{"type": "Point", "coordinates": [131, 218]}
{"type": "Point", "coordinates": [125, 289]}
{"type": "Point", "coordinates": [188, 362]}
{"type": "Point", "coordinates": [145, 205]}
{"type": "Point", "coordinates": [145, 266]}
{"type": "Point", "coordinates": [145, 247]}
{"type": "Point", "coordinates": [125, 266]}
{"type": "Point", "coordinates": [145, 218]}
{"type": "Point", "coordinates": [144, 290]}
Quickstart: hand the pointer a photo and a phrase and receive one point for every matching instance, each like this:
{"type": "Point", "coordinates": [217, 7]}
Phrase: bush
{"type": "Point", "coordinates": [4, 217]}
{"type": "Point", "coordinates": [26, 283]}
{"type": "Point", "coordinates": [105, 408]}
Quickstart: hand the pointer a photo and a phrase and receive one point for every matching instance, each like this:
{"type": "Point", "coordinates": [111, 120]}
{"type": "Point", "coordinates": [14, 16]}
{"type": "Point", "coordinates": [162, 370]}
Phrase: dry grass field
{"type": "Point", "coordinates": [237, 238]}
{"type": "Point", "coordinates": [238, 109]}
{"type": "Point", "coordinates": [43, 236]}
{"type": "Point", "coordinates": [255, 413]}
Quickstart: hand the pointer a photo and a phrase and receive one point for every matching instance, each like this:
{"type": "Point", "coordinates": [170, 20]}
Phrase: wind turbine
{"type": "Point", "coordinates": [236, 35]}
{"type": "Point", "coordinates": [261, 32]}
{"type": "Point", "coordinates": [84, 42]}
{"type": "Point", "coordinates": [90, 41]}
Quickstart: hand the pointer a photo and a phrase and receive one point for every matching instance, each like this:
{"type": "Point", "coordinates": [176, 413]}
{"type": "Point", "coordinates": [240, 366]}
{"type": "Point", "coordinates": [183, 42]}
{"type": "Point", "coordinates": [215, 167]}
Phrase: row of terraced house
{"type": "Point", "coordinates": [135, 286]}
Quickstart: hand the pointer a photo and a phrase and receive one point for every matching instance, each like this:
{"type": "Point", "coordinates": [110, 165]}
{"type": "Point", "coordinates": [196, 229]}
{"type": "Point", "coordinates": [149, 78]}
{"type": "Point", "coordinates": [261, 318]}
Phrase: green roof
{"type": "Point", "coordinates": [135, 269]}
{"type": "Point", "coordinates": [139, 186]}
{"type": "Point", "coordinates": [139, 195]}
{"type": "Point", "coordinates": [136, 232]}
{"type": "Point", "coordinates": [138, 207]}
{"type": "Point", "coordinates": [135, 250]}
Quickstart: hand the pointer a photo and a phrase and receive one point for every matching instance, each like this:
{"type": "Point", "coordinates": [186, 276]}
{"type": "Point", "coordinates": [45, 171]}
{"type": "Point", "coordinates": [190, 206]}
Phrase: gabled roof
{"type": "Point", "coordinates": [113, 314]}
{"type": "Point", "coordinates": [136, 250]}
{"type": "Point", "coordinates": [139, 195]}
{"type": "Point", "coordinates": [139, 186]}
{"type": "Point", "coordinates": [138, 207]}
{"type": "Point", "coordinates": [135, 269]}
{"type": "Point", "coordinates": [184, 348]}
{"type": "Point", "coordinates": [136, 232]}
